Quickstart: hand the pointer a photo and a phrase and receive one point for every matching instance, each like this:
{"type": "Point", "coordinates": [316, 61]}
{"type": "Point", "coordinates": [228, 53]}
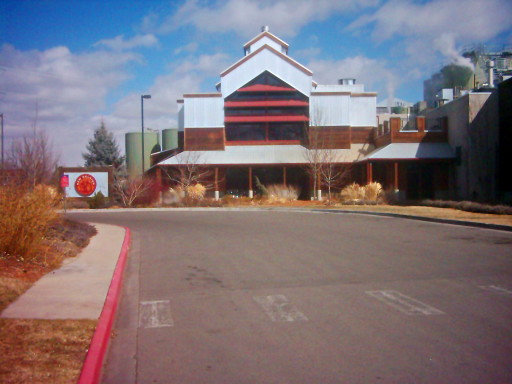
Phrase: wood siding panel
{"type": "Point", "coordinates": [396, 135]}
{"type": "Point", "coordinates": [383, 140]}
{"type": "Point", "coordinates": [361, 135]}
{"type": "Point", "coordinates": [329, 137]}
{"type": "Point", "coordinates": [204, 139]}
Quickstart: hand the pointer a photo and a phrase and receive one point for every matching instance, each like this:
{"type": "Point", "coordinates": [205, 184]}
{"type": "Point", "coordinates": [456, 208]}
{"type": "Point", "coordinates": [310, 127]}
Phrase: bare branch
{"type": "Point", "coordinates": [131, 189]}
{"type": "Point", "coordinates": [35, 156]}
{"type": "Point", "coordinates": [189, 171]}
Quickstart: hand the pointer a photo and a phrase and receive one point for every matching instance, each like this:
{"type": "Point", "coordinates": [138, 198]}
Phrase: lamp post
{"type": "Point", "coordinates": [142, 97]}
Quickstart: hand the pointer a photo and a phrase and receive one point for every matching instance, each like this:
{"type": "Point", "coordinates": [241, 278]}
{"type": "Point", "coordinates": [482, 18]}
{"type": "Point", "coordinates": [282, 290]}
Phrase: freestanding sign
{"type": "Point", "coordinates": [85, 182]}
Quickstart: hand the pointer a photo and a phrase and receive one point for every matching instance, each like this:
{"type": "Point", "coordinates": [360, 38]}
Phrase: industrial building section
{"type": "Point", "coordinates": [267, 116]}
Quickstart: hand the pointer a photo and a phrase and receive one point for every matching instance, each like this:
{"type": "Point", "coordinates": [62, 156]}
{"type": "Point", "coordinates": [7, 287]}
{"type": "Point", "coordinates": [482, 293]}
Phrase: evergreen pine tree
{"type": "Point", "coordinates": [102, 149]}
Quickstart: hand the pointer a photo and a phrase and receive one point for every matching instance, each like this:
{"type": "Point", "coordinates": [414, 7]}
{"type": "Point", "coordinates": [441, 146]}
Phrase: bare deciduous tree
{"type": "Point", "coordinates": [313, 157]}
{"type": "Point", "coordinates": [130, 190]}
{"type": "Point", "coordinates": [333, 173]}
{"type": "Point", "coordinates": [190, 170]}
{"type": "Point", "coordinates": [324, 163]}
{"type": "Point", "coordinates": [35, 157]}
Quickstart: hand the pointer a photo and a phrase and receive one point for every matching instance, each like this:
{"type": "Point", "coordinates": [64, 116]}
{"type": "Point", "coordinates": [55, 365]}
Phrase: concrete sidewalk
{"type": "Point", "coordinates": [78, 289]}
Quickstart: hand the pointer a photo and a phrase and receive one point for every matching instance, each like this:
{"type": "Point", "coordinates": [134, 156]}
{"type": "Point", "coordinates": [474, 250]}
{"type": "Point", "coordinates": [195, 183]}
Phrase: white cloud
{"type": "Point", "coordinates": [471, 19]}
{"type": "Point", "coordinates": [59, 92]}
{"type": "Point", "coordinates": [308, 53]}
{"type": "Point", "coordinates": [371, 72]}
{"type": "Point", "coordinates": [188, 48]}
{"type": "Point", "coordinates": [245, 17]}
{"type": "Point", "coordinates": [427, 35]}
{"type": "Point", "coordinates": [119, 43]}
{"type": "Point", "coordinates": [160, 111]}
{"type": "Point", "coordinates": [437, 26]}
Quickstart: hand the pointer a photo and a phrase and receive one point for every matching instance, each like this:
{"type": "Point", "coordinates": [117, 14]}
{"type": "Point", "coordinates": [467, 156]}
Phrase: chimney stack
{"type": "Point", "coordinates": [347, 81]}
{"type": "Point", "coordinates": [491, 73]}
{"type": "Point", "coordinates": [264, 28]}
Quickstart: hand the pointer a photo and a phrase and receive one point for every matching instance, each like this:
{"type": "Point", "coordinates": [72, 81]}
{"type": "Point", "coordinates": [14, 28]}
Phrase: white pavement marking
{"type": "Point", "coordinates": [155, 314]}
{"type": "Point", "coordinates": [496, 289]}
{"type": "Point", "coordinates": [278, 308]}
{"type": "Point", "coordinates": [404, 304]}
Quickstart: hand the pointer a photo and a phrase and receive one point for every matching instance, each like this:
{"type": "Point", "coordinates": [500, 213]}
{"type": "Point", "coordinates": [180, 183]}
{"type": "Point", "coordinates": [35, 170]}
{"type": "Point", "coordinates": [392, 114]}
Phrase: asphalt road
{"type": "Point", "coordinates": [289, 297]}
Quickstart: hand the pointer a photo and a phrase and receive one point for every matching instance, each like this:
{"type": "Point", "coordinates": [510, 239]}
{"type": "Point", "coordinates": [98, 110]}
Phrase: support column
{"type": "Point", "coordinates": [369, 175]}
{"type": "Point", "coordinates": [251, 192]}
{"type": "Point", "coordinates": [319, 187]}
{"type": "Point", "coordinates": [159, 183]}
{"type": "Point", "coordinates": [396, 176]}
{"type": "Point", "coordinates": [217, 183]}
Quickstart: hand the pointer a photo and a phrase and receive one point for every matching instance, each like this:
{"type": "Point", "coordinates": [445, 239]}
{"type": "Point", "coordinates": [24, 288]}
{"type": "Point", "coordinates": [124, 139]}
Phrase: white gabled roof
{"type": "Point", "coordinates": [273, 50]}
{"type": "Point", "coordinates": [268, 34]}
{"type": "Point", "coordinates": [412, 151]}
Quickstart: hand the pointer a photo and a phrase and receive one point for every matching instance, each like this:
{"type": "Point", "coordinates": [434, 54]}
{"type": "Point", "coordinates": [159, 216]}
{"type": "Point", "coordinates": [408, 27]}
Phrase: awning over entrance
{"type": "Point", "coordinates": [251, 154]}
{"type": "Point", "coordinates": [412, 151]}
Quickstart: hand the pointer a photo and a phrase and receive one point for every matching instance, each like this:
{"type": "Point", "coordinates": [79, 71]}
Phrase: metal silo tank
{"type": "Point", "coordinates": [133, 141]}
{"type": "Point", "coordinates": [169, 139]}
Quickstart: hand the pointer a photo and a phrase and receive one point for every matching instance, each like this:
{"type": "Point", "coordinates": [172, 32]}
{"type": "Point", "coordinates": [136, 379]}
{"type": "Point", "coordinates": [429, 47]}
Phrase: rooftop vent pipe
{"type": "Point", "coordinates": [264, 28]}
{"type": "Point", "coordinates": [491, 73]}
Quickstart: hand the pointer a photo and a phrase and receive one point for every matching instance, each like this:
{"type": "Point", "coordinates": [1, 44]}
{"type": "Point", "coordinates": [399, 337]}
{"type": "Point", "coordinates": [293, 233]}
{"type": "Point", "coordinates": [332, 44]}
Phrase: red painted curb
{"type": "Point", "coordinates": [93, 364]}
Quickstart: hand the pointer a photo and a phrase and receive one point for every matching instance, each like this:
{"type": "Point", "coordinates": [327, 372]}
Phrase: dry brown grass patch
{"type": "Point", "coordinates": [43, 351]}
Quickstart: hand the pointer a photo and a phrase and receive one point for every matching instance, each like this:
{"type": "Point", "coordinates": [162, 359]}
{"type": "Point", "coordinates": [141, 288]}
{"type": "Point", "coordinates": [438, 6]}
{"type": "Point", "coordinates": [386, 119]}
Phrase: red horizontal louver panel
{"type": "Point", "coordinates": [265, 88]}
{"type": "Point", "coordinates": [258, 119]}
{"type": "Point", "coordinates": [266, 103]}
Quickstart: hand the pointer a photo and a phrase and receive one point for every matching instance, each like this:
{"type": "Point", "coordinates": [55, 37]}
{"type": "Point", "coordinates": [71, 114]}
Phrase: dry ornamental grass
{"type": "Point", "coordinates": [33, 241]}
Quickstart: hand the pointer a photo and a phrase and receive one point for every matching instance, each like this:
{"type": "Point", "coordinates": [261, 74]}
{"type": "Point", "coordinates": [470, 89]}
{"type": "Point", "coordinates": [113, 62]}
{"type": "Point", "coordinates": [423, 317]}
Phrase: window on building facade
{"type": "Point", "coordinates": [286, 132]}
{"type": "Point", "coordinates": [245, 132]}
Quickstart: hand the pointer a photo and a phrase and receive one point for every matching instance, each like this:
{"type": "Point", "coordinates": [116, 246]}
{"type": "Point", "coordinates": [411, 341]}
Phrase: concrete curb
{"type": "Point", "coordinates": [424, 218]}
{"type": "Point", "coordinates": [473, 224]}
{"type": "Point", "coordinates": [93, 364]}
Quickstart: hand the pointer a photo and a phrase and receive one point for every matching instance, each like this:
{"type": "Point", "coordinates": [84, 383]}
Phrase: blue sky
{"type": "Point", "coordinates": [67, 64]}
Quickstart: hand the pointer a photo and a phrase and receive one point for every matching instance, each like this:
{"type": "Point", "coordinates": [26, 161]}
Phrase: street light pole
{"type": "Point", "coordinates": [142, 97]}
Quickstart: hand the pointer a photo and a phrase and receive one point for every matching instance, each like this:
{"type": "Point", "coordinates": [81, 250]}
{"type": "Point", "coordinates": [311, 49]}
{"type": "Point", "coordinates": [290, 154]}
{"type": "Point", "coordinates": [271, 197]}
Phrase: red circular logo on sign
{"type": "Point", "coordinates": [85, 184]}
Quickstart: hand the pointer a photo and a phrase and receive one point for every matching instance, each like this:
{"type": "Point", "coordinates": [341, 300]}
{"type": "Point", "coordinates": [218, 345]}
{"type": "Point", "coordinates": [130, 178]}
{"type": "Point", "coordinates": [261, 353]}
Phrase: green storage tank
{"type": "Point", "coordinates": [169, 139]}
{"type": "Point", "coordinates": [133, 141]}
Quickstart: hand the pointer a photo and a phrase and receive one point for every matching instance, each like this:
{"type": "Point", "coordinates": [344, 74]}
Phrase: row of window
{"type": "Point", "coordinates": [265, 132]}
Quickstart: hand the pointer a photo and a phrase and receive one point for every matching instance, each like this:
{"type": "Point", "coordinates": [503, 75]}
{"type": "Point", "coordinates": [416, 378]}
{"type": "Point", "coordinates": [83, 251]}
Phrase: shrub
{"type": "Point", "coordinates": [196, 191]}
{"type": "Point", "coordinates": [174, 196]}
{"type": "Point", "coordinates": [352, 192]}
{"type": "Point", "coordinates": [97, 201]}
{"type": "Point", "coordinates": [261, 187]}
{"type": "Point", "coordinates": [76, 203]}
{"type": "Point", "coordinates": [25, 217]}
{"type": "Point", "coordinates": [372, 191]}
{"type": "Point", "coordinates": [282, 192]}
{"type": "Point", "coordinates": [356, 194]}
{"type": "Point", "coordinates": [137, 191]}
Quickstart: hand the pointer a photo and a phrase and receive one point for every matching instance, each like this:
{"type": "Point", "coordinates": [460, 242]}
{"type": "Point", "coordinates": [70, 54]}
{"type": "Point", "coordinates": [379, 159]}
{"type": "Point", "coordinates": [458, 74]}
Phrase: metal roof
{"type": "Point", "coordinates": [253, 154]}
{"type": "Point", "coordinates": [412, 151]}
